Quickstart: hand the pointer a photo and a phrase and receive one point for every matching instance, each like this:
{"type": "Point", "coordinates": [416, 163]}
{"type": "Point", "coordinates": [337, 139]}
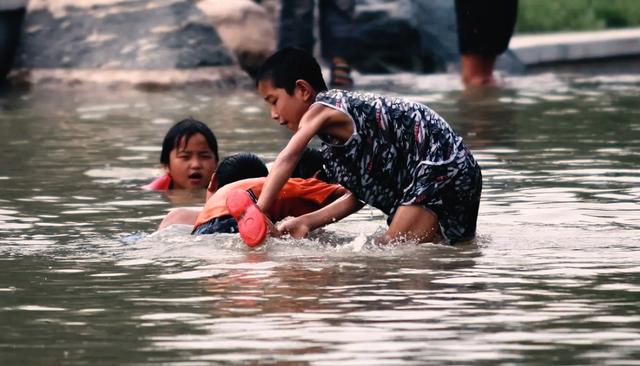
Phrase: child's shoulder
{"type": "Point", "coordinates": [370, 98]}
{"type": "Point", "coordinates": [343, 98]}
{"type": "Point", "coordinates": [308, 187]}
{"type": "Point", "coordinates": [341, 93]}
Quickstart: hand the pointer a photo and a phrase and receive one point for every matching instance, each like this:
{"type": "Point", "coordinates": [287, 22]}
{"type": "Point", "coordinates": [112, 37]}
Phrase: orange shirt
{"type": "Point", "coordinates": [297, 197]}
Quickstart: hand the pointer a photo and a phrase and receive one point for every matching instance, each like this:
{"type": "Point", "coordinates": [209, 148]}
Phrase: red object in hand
{"type": "Point", "coordinates": [252, 223]}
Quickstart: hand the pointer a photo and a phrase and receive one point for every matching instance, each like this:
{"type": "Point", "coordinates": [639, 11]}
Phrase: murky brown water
{"type": "Point", "coordinates": [553, 277]}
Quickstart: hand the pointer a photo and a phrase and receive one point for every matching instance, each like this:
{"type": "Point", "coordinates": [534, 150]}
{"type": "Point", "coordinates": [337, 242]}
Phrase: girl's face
{"type": "Point", "coordinates": [191, 164]}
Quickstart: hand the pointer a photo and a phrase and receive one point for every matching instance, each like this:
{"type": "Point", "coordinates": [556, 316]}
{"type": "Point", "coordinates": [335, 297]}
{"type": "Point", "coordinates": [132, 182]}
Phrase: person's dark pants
{"type": "Point", "coordinates": [485, 27]}
{"type": "Point", "coordinates": [10, 29]}
{"type": "Point", "coordinates": [223, 224]}
{"type": "Point", "coordinates": [336, 26]}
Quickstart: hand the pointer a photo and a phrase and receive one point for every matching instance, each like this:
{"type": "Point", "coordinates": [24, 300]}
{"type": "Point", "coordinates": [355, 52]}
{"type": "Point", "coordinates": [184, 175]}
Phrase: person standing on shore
{"type": "Point", "coordinates": [484, 31]}
{"type": "Point", "coordinates": [336, 29]}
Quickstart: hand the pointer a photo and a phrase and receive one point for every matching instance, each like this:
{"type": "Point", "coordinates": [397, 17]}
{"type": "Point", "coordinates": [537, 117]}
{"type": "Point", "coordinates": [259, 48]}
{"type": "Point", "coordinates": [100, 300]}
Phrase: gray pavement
{"type": "Point", "coordinates": [570, 47]}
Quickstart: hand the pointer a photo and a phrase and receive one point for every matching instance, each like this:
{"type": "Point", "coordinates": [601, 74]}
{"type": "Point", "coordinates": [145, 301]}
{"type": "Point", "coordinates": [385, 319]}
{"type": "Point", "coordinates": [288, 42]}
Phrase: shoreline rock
{"type": "Point", "coordinates": [214, 78]}
{"type": "Point", "coordinates": [246, 29]}
{"type": "Point", "coordinates": [144, 44]}
{"type": "Point", "coordinates": [119, 34]}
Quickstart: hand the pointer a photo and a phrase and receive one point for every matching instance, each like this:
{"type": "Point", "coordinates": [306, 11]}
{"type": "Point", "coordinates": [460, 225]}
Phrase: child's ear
{"type": "Point", "coordinates": [213, 185]}
{"type": "Point", "coordinates": [165, 168]}
{"type": "Point", "coordinates": [305, 89]}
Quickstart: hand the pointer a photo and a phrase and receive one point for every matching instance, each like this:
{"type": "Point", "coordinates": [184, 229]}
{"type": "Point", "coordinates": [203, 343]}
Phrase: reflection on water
{"type": "Point", "coordinates": [553, 276]}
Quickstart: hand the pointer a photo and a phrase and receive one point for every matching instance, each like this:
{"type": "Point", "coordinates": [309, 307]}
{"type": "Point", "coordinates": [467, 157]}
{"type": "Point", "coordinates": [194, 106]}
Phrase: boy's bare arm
{"type": "Point", "coordinates": [312, 122]}
{"type": "Point", "coordinates": [335, 211]}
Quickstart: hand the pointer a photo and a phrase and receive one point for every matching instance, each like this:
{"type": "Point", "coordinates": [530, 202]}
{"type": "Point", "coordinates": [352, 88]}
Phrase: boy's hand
{"type": "Point", "coordinates": [273, 230]}
{"type": "Point", "coordinates": [294, 226]}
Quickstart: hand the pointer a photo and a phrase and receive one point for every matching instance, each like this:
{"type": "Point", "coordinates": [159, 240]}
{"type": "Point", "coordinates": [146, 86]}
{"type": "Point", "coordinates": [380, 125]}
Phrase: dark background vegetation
{"type": "Point", "coordinates": [576, 15]}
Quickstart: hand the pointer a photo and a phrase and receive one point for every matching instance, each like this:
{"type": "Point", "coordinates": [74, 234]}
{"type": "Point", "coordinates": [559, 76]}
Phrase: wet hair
{"type": "Point", "coordinates": [310, 163]}
{"type": "Point", "coordinates": [289, 64]}
{"type": "Point", "coordinates": [240, 166]}
{"type": "Point", "coordinates": [187, 128]}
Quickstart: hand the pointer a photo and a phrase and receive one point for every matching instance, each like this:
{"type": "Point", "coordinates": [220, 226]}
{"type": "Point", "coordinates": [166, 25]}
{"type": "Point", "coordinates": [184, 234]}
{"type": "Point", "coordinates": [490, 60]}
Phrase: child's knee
{"type": "Point", "coordinates": [413, 222]}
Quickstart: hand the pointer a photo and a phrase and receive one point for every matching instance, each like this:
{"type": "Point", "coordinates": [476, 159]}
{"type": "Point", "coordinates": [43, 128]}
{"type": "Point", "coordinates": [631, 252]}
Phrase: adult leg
{"type": "Point", "coordinates": [336, 35]}
{"type": "Point", "coordinates": [477, 69]}
{"type": "Point", "coordinates": [336, 27]}
{"type": "Point", "coordinates": [296, 24]}
{"type": "Point", "coordinates": [413, 222]}
{"type": "Point", "coordinates": [181, 215]}
{"type": "Point", "coordinates": [484, 31]}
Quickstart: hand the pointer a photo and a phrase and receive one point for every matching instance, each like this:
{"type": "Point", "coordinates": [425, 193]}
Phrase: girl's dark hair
{"type": "Point", "coordinates": [187, 128]}
{"type": "Point", "coordinates": [289, 64]}
{"type": "Point", "coordinates": [240, 166]}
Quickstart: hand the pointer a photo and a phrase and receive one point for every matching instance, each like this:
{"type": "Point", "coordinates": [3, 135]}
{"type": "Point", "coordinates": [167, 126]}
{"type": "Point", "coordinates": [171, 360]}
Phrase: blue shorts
{"type": "Point", "coordinates": [223, 224]}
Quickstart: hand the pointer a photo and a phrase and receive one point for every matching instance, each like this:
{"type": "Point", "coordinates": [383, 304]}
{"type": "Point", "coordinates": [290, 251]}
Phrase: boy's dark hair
{"type": "Point", "coordinates": [289, 64]}
{"type": "Point", "coordinates": [310, 163]}
{"type": "Point", "coordinates": [240, 166]}
{"type": "Point", "coordinates": [187, 128]}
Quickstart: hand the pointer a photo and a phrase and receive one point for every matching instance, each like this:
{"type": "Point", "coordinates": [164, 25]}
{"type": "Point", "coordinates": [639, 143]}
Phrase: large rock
{"type": "Point", "coordinates": [416, 35]}
{"type": "Point", "coordinates": [246, 29]}
{"type": "Point", "coordinates": [398, 35]}
{"type": "Point", "coordinates": [385, 37]}
{"type": "Point", "coordinates": [436, 22]}
{"type": "Point", "coordinates": [119, 34]}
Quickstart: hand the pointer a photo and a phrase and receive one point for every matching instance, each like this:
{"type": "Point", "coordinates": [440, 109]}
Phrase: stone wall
{"type": "Point", "coordinates": [246, 28]}
{"type": "Point", "coordinates": [119, 34]}
{"type": "Point", "coordinates": [389, 35]}
{"type": "Point", "coordinates": [398, 35]}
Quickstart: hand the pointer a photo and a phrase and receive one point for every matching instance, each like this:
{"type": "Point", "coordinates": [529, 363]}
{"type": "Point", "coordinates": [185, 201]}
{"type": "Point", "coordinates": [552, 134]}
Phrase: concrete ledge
{"type": "Point", "coordinates": [575, 46]}
{"type": "Point", "coordinates": [215, 78]}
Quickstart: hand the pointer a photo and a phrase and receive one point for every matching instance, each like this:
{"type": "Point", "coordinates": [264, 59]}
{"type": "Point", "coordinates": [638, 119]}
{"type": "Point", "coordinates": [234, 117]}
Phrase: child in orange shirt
{"type": "Point", "coordinates": [245, 172]}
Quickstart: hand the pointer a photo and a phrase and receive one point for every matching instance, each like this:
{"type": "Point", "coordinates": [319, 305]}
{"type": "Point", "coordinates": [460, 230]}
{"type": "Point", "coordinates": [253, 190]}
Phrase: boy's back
{"type": "Point", "coordinates": [394, 140]}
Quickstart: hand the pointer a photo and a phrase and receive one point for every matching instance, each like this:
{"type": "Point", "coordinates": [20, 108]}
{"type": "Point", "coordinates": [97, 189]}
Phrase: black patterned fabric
{"type": "Point", "coordinates": [404, 153]}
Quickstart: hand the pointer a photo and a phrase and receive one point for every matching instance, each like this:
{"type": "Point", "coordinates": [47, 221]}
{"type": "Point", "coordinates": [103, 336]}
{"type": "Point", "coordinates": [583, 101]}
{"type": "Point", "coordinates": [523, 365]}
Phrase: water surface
{"type": "Point", "coordinates": [552, 278]}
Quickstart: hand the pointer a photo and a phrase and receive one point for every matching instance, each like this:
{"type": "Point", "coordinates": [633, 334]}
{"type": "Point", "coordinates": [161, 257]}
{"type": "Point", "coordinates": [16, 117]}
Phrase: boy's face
{"type": "Point", "coordinates": [287, 109]}
{"type": "Point", "coordinates": [191, 164]}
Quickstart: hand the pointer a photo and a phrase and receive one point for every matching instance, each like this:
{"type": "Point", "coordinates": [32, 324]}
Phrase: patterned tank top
{"type": "Point", "coordinates": [401, 152]}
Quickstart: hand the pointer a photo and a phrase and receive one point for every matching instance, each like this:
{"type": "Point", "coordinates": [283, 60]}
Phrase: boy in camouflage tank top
{"type": "Point", "coordinates": [398, 156]}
